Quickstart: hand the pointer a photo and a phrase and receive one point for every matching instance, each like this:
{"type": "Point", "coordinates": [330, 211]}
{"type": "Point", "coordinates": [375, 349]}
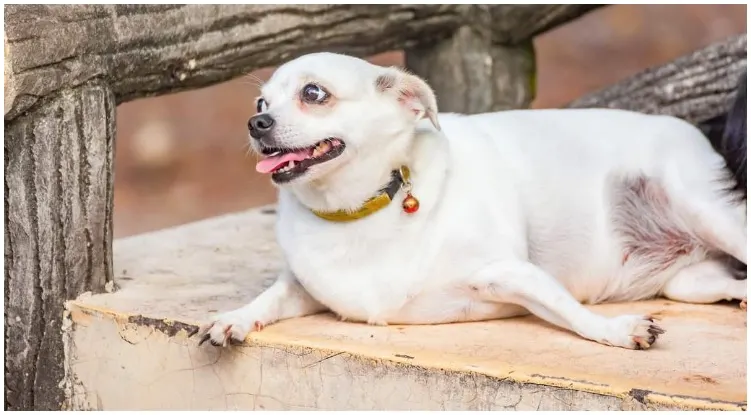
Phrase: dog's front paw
{"type": "Point", "coordinates": [633, 332]}
{"type": "Point", "coordinates": [228, 328]}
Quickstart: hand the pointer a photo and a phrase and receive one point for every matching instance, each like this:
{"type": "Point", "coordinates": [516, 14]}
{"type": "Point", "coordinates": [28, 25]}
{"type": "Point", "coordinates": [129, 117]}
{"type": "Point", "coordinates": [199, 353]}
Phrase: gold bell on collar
{"type": "Point", "coordinates": [410, 204]}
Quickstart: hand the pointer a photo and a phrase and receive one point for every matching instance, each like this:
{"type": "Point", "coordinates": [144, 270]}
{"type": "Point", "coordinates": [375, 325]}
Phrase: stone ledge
{"type": "Point", "coordinates": [136, 340]}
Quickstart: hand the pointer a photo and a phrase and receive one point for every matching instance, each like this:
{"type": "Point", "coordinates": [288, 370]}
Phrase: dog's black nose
{"type": "Point", "coordinates": [259, 125]}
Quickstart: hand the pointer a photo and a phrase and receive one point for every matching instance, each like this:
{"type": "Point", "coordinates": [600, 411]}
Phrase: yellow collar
{"type": "Point", "coordinates": [399, 180]}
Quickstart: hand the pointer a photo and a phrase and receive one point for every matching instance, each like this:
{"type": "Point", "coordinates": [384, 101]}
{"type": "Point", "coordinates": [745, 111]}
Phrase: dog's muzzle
{"type": "Point", "coordinates": [260, 125]}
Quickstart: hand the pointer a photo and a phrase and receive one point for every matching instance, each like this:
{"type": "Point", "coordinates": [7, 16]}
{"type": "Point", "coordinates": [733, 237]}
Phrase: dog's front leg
{"type": "Point", "coordinates": [527, 285]}
{"type": "Point", "coordinates": [286, 298]}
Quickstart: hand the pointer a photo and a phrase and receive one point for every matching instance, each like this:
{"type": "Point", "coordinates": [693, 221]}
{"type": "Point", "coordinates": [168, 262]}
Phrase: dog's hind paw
{"type": "Point", "coordinates": [228, 328]}
{"type": "Point", "coordinates": [633, 332]}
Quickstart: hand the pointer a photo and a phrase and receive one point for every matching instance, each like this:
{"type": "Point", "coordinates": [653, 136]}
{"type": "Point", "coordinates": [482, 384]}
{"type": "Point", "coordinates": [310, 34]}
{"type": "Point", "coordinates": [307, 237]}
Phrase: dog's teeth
{"type": "Point", "coordinates": [291, 164]}
{"type": "Point", "coordinates": [322, 148]}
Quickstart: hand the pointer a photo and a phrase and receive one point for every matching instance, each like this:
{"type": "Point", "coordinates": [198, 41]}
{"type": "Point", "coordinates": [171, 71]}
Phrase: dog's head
{"type": "Point", "coordinates": [324, 113]}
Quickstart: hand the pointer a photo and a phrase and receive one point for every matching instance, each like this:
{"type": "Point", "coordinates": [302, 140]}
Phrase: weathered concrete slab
{"type": "Point", "coordinates": [135, 340]}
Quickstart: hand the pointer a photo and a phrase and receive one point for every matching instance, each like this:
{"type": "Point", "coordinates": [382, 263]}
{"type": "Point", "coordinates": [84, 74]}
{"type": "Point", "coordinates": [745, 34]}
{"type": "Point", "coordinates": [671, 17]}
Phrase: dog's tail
{"type": "Point", "coordinates": [727, 133]}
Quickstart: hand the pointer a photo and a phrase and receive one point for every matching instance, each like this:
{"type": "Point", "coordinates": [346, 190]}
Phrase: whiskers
{"type": "Point", "coordinates": [249, 151]}
{"type": "Point", "coordinates": [252, 80]}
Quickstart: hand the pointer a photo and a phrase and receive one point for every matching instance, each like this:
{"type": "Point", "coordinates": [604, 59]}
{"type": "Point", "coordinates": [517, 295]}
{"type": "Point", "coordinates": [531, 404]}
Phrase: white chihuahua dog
{"type": "Point", "coordinates": [496, 215]}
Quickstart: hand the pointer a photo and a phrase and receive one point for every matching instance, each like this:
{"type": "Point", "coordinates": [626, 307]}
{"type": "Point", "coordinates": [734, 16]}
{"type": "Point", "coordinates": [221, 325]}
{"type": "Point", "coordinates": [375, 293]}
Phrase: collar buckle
{"type": "Point", "coordinates": [404, 174]}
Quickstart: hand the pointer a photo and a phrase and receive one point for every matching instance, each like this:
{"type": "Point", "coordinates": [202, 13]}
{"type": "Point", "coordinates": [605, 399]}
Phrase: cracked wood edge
{"type": "Point", "coordinates": [82, 313]}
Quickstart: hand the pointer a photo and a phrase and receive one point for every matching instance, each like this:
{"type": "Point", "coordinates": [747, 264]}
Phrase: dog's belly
{"type": "Point", "coordinates": [372, 304]}
{"type": "Point", "coordinates": [354, 293]}
{"type": "Point", "coordinates": [392, 290]}
{"type": "Point", "coordinates": [433, 297]}
{"type": "Point", "coordinates": [450, 306]}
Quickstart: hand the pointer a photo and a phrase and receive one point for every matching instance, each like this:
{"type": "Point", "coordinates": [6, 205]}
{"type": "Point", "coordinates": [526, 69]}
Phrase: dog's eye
{"type": "Point", "coordinates": [261, 105]}
{"type": "Point", "coordinates": [314, 94]}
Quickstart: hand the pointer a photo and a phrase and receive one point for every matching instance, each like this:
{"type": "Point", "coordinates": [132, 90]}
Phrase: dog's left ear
{"type": "Point", "coordinates": [413, 93]}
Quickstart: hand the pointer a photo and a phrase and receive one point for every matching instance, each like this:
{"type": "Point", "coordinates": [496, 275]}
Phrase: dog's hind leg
{"type": "Point", "coordinates": [704, 282]}
{"type": "Point", "coordinates": [524, 284]}
{"type": "Point", "coordinates": [718, 223]}
{"type": "Point", "coordinates": [702, 189]}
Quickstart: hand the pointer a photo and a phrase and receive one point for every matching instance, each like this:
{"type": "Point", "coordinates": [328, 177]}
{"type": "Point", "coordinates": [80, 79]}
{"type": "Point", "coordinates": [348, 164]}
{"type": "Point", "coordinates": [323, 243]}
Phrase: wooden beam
{"type": "Point", "coordinates": [695, 87]}
{"type": "Point", "coordinates": [514, 24]}
{"type": "Point", "coordinates": [58, 232]}
{"type": "Point", "coordinates": [146, 50]}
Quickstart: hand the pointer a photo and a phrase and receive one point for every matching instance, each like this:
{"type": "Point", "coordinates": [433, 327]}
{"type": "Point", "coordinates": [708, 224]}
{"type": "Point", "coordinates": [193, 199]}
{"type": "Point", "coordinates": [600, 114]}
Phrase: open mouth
{"type": "Point", "coordinates": [286, 164]}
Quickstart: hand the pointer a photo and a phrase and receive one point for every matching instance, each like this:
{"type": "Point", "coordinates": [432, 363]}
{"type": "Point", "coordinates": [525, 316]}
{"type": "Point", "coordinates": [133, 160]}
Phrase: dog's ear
{"type": "Point", "coordinates": [413, 93]}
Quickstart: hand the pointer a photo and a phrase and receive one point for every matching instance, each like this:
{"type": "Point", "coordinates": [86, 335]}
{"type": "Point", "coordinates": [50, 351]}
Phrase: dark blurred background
{"type": "Point", "coordinates": [183, 157]}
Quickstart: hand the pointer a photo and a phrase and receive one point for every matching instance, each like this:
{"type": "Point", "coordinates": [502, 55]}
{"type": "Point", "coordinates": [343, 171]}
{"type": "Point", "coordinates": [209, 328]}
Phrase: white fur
{"type": "Point", "coordinates": [516, 211]}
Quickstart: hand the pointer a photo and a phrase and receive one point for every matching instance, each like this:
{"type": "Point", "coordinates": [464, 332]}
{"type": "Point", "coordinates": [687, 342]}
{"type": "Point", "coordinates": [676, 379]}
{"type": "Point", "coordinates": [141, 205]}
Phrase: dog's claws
{"type": "Point", "coordinates": [645, 339]}
{"type": "Point", "coordinates": [205, 335]}
{"type": "Point", "coordinates": [204, 338]}
{"type": "Point", "coordinates": [227, 335]}
{"type": "Point", "coordinates": [194, 331]}
{"type": "Point", "coordinates": [655, 331]}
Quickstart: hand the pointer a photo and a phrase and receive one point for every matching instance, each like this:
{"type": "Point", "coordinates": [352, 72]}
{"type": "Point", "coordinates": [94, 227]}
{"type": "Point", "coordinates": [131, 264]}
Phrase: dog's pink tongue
{"type": "Point", "coordinates": [273, 163]}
